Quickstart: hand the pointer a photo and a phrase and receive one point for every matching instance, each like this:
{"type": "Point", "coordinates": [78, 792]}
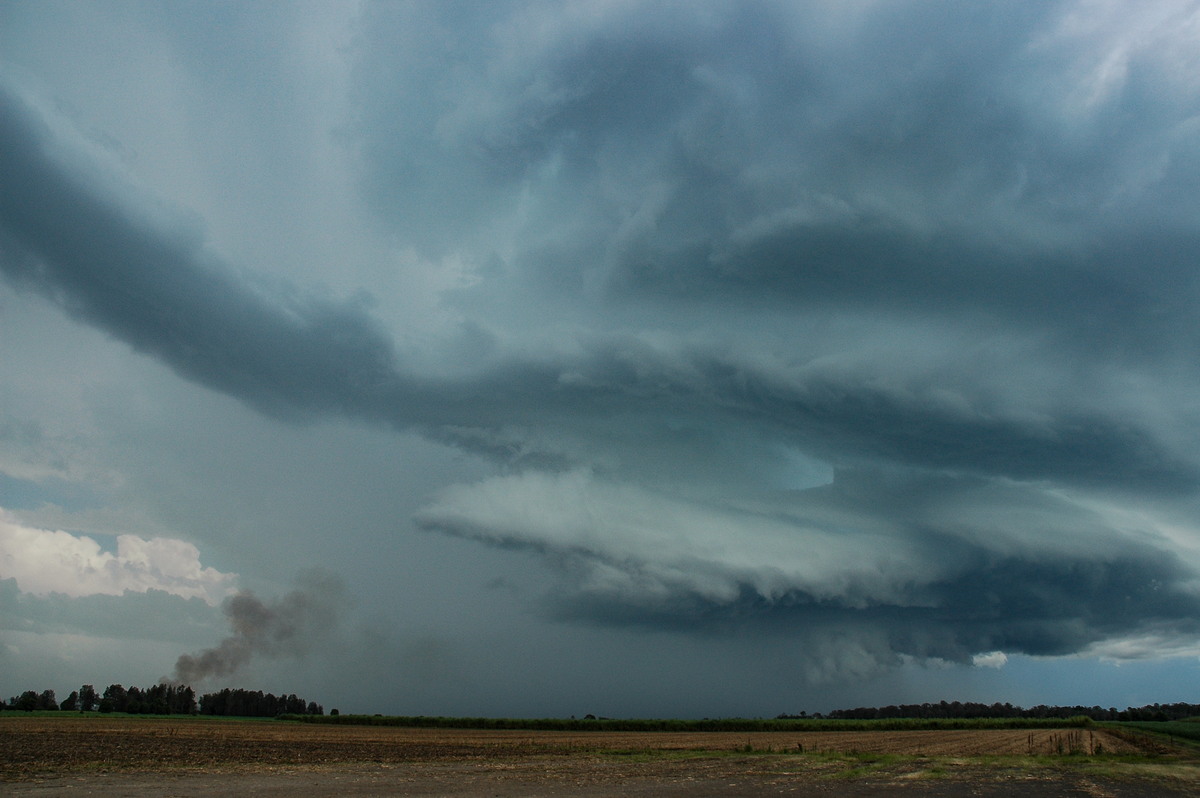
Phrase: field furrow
{"type": "Point", "coordinates": [67, 744]}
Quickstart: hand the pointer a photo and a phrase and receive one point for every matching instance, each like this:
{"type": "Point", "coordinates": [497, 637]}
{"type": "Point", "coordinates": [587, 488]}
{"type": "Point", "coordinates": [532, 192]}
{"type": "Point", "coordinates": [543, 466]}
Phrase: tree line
{"type": "Point", "coordinates": [972, 709]}
{"type": "Point", "coordinates": [166, 699]}
{"type": "Point", "coordinates": [256, 704]}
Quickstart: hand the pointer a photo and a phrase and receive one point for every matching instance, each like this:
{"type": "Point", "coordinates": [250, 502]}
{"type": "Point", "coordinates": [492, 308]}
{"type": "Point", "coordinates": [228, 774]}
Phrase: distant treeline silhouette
{"type": "Point", "coordinates": [167, 699]}
{"type": "Point", "coordinates": [256, 704]}
{"type": "Point", "coordinates": [971, 709]}
{"type": "Point", "coordinates": [180, 699]}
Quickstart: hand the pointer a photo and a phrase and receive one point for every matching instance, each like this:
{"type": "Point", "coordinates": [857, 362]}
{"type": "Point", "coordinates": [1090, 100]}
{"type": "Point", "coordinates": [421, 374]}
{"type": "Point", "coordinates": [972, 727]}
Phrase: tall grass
{"type": "Point", "coordinates": [1182, 729]}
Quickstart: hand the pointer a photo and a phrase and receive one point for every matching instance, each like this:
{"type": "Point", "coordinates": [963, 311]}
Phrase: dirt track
{"type": "Point", "coordinates": [143, 757]}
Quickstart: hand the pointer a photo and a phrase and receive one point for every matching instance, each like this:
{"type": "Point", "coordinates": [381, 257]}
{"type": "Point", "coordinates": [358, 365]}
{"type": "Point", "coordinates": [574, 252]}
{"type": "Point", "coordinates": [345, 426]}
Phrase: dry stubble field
{"type": "Point", "coordinates": [167, 756]}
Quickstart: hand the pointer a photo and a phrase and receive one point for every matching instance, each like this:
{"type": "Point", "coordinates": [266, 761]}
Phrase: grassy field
{"type": "Point", "coordinates": [706, 725]}
{"type": "Point", "coordinates": [70, 746]}
{"type": "Point", "coordinates": [1182, 729]}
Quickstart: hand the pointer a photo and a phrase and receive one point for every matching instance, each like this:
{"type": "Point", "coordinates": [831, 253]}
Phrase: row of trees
{"type": "Point", "coordinates": [166, 699]}
{"type": "Point", "coordinates": [971, 709]}
{"type": "Point", "coordinates": [256, 704]}
{"type": "Point", "coordinates": [30, 700]}
{"type": "Point", "coordinates": [161, 699]}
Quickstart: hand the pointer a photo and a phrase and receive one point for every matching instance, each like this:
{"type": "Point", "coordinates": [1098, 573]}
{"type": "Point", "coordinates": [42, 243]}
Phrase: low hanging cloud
{"type": "Point", "coordinates": [992, 659]}
{"type": "Point", "coordinates": [45, 561]}
{"type": "Point", "coordinates": [288, 627]}
{"type": "Point", "coordinates": [890, 560]}
{"type": "Point", "coordinates": [795, 318]}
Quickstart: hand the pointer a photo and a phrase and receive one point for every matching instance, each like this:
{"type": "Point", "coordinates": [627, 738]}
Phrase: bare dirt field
{"type": "Point", "coordinates": [190, 757]}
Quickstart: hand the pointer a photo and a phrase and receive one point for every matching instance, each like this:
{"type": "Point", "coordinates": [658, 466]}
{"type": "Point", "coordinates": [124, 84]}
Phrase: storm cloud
{"type": "Point", "coordinates": [870, 325]}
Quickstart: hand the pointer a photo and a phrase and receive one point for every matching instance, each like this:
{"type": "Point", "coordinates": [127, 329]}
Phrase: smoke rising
{"type": "Point", "coordinates": [287, 627]}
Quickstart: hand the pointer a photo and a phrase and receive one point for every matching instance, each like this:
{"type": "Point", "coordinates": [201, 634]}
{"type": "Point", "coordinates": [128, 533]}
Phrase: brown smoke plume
{"type": "Point", "coordinates": [287, 627]}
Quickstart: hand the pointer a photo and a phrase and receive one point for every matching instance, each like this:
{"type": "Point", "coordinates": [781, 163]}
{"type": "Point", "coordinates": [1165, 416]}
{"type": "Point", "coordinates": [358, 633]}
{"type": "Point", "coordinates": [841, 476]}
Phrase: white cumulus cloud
{"type": "Point", "coordinates": [47, 561]}
{"type": "Point", "coordinates": [991, 659]}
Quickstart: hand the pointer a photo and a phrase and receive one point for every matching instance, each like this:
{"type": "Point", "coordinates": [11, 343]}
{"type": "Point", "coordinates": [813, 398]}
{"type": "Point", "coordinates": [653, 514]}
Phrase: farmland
{"type": "Point", "coordinates": [132, 755]}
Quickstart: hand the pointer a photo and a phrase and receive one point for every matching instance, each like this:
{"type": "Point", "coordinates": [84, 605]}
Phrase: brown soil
{"type": "Point", "coordinates": [185, 757]}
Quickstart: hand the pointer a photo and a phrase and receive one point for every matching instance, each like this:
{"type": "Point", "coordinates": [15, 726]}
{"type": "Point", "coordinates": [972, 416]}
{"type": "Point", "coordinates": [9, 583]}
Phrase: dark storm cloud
{"type": "Point", "coordinates": [146, 277]}
{"type": "Point", "coordinates": [133, 270]}
{"type": "Point", "coordinates": [846, 418]}
{"type": "Point", "coordinates": [921, 159]}
{"type": "Point", "coordinates": [961, 566]}
{"type": "Point", "coordinates": [156, 287]}
{"type": "Point", "coordinates": [716, 253]}
{"type": "Point", "coordinates": [1016, 605]}
{"type": "Point", "coordinates": [1085, 297]}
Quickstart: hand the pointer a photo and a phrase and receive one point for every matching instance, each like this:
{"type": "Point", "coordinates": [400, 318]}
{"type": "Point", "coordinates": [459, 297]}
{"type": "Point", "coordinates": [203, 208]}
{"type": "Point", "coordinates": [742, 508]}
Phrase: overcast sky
{"type": "Point", "coordinates": [638, 359]}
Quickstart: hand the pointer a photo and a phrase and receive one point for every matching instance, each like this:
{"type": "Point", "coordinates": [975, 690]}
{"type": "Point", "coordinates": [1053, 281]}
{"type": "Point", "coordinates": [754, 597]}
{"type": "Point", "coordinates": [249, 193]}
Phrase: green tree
{"type": "Point", "coordinates": [71, 702]}
{"type": "Point", "coordinates": [87, 698]}
{"type": "Point", "coordinates": [27, 702]}
{"type": "Point", "coordinates": [118, 696]}
{"type": "Point", "coordinates": [155, 700]}
{"type": "Point", "coordinates": [183, 700]}
{"type": "Point", "coordinates": [136, 703]}
{"type": "Point", "coordinates": [47, 701]}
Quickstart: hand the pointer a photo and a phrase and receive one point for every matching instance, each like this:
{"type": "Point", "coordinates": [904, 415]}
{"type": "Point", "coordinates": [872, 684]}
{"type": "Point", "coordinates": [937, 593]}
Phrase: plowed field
{"type": "Point", "coordinates": [222, 756]}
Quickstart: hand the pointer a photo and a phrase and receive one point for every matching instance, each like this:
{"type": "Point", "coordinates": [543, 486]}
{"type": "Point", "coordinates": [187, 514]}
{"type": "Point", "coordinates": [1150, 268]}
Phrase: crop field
{"type": "Point", "coordinates": [135, 756]}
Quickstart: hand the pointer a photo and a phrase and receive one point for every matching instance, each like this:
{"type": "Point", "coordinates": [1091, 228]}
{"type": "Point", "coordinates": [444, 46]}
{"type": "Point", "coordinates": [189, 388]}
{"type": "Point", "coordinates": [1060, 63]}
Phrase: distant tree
{"type": "Point", "coordinates": [970, 709]}
{"type": "Point", "coordinates": [71, 702]}
{"type": "Point", "coordinates": [181, 699]}
{"type": "Point", "coordinates": [47, 701]}
{"type": "Point", "coordinates": [119, 697]}
{"type": "Point", "coordinates": [214, 703]}
{"type": "Point", "coordinates": [135, 702]}
{"type": "Point", "coordinates": [26, 702]}
{"type": "Point", "coordinates": [154, 700]}
{"type": "Point", "coordinates": [107, 705]}
{"type": "Point", "coordinates": [314, 709]}
{"type": "Point", "coordinates": [87, 698]}
{"type": "Point", "coordinates": [334, 711]}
